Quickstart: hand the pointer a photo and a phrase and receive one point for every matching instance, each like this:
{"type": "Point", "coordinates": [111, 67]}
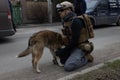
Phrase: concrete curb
{"type": "Point", "coordinates": [87, 70]}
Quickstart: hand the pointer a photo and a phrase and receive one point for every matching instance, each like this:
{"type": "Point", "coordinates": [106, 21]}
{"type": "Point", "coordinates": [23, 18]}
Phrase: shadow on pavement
{"type": "Point", "coordinates": [5, 40]}
{"type": "Point", "coordinates": [103, 26]}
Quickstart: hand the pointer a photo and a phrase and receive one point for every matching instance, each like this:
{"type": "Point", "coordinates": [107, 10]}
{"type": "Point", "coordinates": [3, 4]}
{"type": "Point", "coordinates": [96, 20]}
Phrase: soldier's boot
{"type": "Point", "coordinates": [89, 58]}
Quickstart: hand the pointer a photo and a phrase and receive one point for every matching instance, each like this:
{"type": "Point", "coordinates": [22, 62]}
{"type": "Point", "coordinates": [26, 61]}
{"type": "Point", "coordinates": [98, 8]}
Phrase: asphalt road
{"type": "Point", "coordinates": [107, 40]}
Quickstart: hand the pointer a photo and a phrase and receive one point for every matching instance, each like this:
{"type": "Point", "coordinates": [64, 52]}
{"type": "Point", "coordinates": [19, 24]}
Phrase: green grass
{"type": "Point", "coordinates": [110, 71]}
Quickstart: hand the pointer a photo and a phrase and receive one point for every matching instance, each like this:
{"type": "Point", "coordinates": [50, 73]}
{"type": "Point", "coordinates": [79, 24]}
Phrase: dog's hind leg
{"type": "Point", "coordinates": [38, 51]}
{"type": "Point", "coordinates": [33, 58]}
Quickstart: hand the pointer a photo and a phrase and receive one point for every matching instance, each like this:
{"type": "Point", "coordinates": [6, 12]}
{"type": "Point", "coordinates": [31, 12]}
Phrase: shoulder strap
{"type": "Point", "coordinates": [88, 25]}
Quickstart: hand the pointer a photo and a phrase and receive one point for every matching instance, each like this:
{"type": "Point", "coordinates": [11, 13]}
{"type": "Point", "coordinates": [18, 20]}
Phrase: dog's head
{"type": "Point", "coordinates": [65, 40]}
{"type": "Point", "coordinates": [62, 39]}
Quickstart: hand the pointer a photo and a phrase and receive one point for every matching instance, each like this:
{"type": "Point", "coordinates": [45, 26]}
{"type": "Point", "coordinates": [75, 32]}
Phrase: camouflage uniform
{"type": "Point", "coordinates": [78, 30]}
{"type": "Point", "coordinates": [73, 56]}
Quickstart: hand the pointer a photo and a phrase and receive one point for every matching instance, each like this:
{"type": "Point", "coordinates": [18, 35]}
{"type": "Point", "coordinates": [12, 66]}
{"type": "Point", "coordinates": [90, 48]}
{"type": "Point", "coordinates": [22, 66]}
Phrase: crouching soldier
{"type": "Point", "coordinates": [78, 30]}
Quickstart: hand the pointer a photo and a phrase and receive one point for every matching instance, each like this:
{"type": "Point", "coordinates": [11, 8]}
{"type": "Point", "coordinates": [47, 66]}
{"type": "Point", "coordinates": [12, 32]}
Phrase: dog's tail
{"type": "Point", "coordinates": [28, 50]}
{"type": "Point", "coordinates": [24, 53]}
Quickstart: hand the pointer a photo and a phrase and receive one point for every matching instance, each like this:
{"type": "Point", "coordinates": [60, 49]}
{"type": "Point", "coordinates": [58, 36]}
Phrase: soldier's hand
{"type": "Point", "coordinates": [59, 52]}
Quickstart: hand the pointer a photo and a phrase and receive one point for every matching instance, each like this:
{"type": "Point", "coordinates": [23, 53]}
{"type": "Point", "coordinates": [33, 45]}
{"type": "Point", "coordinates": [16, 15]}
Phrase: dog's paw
{"type": "Point", "coordinates": [61, 65]}
{"type": "Point", "coordinates": [38, 71]}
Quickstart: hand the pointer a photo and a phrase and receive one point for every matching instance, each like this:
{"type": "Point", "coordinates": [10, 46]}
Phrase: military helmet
{"type": "Point", "coordinates": [64, 5]}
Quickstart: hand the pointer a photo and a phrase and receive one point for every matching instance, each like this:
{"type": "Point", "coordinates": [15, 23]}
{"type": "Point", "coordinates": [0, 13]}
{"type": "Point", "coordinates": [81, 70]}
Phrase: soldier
{"type": "Point", "coordinates": [78, 30]}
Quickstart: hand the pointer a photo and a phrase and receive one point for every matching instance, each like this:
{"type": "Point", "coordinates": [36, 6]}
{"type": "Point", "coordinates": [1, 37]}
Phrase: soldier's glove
{"type": "Point", "coordinates": [63, 54]}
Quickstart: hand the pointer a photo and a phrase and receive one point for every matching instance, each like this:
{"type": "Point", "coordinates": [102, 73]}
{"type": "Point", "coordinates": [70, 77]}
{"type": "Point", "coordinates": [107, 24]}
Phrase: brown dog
{"type": "Point", "coordinates": [38, 41]}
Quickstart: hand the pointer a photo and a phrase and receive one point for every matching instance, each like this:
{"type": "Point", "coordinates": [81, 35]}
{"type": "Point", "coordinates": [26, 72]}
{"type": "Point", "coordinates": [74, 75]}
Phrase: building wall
{"type": "Point", "coordinates": [25, 11]}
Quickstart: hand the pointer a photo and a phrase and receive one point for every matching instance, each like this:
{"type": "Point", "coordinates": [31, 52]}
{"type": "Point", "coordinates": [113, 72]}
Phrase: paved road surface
{"type": "Point", "coordinates": [106, 41]}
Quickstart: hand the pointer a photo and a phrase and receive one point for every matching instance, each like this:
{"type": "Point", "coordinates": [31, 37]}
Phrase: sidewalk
{"type": "Point", "coordinates": [39, 25]}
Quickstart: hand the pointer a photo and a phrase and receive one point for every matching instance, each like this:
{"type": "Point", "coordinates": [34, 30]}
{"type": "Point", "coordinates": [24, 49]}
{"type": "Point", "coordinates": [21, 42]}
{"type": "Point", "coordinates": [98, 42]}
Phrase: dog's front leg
{"type": "Point", "coordinates": [58, 61]}
{"type": "Point", "coordinates": [53, 54]}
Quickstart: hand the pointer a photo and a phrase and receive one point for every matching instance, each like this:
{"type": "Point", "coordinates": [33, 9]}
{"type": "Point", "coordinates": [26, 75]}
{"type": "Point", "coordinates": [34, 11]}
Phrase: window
{"type": "Point", "coordinates": [103, 5]}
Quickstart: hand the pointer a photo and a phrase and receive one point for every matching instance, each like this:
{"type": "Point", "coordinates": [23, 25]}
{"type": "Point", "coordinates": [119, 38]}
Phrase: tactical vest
{"type": "Point", "coordinates": [86, 31]}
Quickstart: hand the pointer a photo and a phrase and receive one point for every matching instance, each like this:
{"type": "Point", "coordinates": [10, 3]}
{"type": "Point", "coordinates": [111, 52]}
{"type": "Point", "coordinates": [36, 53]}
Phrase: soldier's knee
{"type": "Point", "coordinates": [69, 67]}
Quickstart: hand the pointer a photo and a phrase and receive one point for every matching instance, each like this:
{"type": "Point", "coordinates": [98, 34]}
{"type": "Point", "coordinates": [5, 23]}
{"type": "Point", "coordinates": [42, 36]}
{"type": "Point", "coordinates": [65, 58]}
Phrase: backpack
{"type": "Point", "coordinates": [88, 25]}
